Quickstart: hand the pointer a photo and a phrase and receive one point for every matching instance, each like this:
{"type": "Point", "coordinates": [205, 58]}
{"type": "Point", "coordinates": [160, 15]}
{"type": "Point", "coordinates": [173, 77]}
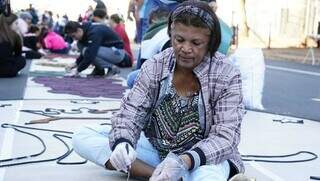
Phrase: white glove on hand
{"type": "Point", "coordinates": [123, 156]}
{"type": "Point", "coordinates": [172, 168]}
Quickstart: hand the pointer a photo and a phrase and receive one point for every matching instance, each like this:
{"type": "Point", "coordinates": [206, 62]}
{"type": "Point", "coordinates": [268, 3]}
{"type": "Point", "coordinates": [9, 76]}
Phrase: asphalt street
{"type": "Point", "coordinates": [292, 89]}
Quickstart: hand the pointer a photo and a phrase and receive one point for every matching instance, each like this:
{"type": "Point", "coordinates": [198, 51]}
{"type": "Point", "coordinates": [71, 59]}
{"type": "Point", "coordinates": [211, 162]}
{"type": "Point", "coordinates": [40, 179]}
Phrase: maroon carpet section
{"type": "Point", "coordinates": [86, 87]}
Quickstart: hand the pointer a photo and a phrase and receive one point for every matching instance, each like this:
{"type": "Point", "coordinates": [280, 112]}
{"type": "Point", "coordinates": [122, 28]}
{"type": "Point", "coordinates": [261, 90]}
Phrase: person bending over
{"type": "Point", "coordinates": [182, 117]}
{"type": "Point", "coordinates": [53, 42]}
{"type": "Point", "coordinates": [99, 45]}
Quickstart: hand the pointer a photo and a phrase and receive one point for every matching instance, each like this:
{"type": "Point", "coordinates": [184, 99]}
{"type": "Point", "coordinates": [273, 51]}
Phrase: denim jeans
{"type": "Point", "coordinates": [91, 142]}
{"type": "Point", "coordinates": [107, 56]}
{"type": "Point", "coordinates": [132, 77]}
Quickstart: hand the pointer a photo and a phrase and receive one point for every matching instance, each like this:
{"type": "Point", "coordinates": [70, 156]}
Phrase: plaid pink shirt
{"type": "Point", "coordinates": [220, 111]}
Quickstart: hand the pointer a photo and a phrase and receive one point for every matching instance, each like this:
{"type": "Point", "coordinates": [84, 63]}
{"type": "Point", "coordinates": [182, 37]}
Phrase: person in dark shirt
{"type": "Point", "coordinates": [34, 15]}
{"type": "Point", "coordinates": [11, 60]}
{"type": "Point", "coordinates": [99, 45]}
{"type": "Point", "coordinates": [30, 40]}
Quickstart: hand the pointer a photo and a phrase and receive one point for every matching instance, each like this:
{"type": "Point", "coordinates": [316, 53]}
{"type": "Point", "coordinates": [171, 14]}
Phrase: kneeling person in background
{"type": "Point", "coordinates": [99, 45]}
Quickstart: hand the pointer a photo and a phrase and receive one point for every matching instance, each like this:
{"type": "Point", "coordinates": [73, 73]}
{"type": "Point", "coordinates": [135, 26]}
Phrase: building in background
{"type": "Point", "coordinates": [275, 23]}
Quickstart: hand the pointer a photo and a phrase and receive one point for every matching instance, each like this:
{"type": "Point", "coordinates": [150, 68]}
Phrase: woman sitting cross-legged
{"type": "Point", "coordinates": [182, 117]}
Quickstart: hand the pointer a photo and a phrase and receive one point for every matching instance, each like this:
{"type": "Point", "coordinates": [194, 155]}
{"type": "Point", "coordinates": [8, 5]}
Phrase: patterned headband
{"type": "Point", "coordinates": [202, 14]}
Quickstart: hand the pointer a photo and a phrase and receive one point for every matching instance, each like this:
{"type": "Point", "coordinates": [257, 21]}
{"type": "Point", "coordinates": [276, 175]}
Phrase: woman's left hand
{"type": "Point", "coordinates": [172, 168]}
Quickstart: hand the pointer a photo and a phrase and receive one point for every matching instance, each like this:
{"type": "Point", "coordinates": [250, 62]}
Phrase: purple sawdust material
{"type": "Point", "coordinates": [85, 87]}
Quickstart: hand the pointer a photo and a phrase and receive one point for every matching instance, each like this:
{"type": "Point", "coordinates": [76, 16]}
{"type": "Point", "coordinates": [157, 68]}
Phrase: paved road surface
{"type": "Point", "coordinates": [292, 89]}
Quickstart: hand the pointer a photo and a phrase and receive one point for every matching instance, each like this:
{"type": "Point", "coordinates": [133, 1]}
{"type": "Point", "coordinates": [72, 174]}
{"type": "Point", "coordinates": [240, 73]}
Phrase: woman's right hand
{"type": "Point", "coordinates": [123, 156]}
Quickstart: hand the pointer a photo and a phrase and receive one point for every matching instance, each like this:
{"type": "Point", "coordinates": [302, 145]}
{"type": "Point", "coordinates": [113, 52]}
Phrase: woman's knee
{"type": "Point", "coordinates": [218, 172]}
{"type": "Point", "coordinates": [88, 141]}
{"type": "Point", "coordinates": [79, 137]}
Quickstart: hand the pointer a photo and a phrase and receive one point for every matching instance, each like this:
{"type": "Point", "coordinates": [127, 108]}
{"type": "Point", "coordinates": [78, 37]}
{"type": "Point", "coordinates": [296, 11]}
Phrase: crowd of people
{"type": "Point", "coordinates": [42, 33]}
{"type": "Point", "coordinates": [23, 34]}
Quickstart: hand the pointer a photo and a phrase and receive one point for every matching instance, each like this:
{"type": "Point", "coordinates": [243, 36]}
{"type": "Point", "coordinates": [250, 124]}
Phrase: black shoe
{"type": "Point", "coordinates": [97, 72]}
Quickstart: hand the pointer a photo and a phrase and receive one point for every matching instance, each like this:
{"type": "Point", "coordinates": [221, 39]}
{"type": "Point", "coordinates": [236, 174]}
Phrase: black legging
{"type": "Point", "coordinates": [11, 66]}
